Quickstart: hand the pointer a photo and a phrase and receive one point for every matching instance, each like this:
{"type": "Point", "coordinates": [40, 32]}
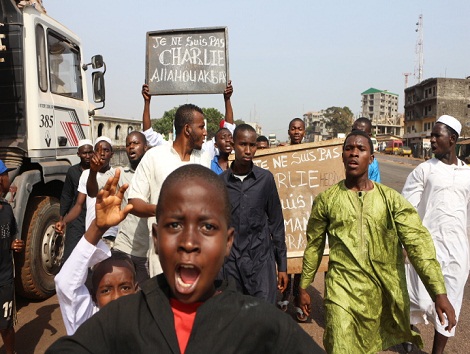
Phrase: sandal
{"type": "Point", "coordinates": [301, 316]}
{"type": "Point", "coordinates": [283, 305]}
{"type": "Point", "coordinates": [408, 346]}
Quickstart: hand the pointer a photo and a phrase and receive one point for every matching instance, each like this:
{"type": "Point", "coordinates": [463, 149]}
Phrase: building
{"type": "Point", "coordinates": [315, 126]}
{"type": "Point", "coordinates": [427, 101]}
{"type": "Point", "coordinates": [114, 128]}
{"type": "Point", "coordinates": [256, 127]}
{"type": "Point", "coordinates": [381, 107]}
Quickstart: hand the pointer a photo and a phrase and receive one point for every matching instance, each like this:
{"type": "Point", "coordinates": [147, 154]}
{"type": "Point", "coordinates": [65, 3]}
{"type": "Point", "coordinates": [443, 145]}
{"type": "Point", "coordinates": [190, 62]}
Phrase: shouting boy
{"type": "Point", "coordinates": [223, 142]}
{"type": "Point", "coordinates": [185, 310]}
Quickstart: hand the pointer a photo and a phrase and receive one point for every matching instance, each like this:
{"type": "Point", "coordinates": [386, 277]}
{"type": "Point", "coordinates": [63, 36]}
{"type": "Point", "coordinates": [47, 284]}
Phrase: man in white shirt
{"type": "Point", "coordinates": [160, 161]}
{"type": "Point", "coordinates": [132, 238]}
{"type": "Point", "coordinates": [440, 191]}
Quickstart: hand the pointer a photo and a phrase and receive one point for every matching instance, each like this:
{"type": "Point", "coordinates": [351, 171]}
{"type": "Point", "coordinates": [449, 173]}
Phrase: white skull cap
{"type": "Point", "coordinates": [450, 122]}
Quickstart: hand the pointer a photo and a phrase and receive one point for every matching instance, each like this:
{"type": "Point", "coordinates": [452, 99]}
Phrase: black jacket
{"type": "Point", "coordinates": [227, 323]}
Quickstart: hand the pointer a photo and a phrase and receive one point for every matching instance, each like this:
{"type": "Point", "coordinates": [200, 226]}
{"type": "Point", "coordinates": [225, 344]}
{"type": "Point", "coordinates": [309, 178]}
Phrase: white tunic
{"type": "Point", "coordinates": [76, 303]}
{"type": "Point", "coordinates": [441, 195]}
{"type": "Point", "coordinates": [101, 177]}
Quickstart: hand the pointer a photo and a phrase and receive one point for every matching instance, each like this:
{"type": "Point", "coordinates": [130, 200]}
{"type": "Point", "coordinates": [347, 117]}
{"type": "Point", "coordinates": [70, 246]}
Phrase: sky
{"type": "Point", "coordinates": [286, 58]}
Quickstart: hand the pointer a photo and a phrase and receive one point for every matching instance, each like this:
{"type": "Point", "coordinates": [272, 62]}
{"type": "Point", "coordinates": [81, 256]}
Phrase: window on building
{"type": "Point", "coordinates": [117, 132]}
{"type": "Point", "coordinates": [130, 129]}
{"type": "Point", "coordinates": [100, 129]}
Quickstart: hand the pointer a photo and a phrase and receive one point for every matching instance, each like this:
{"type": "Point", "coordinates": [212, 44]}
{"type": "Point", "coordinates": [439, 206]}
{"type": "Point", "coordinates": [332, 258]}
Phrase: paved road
{"type": "Point", "coordinates": [40, 323]}
{"type": "Point", "coordinates": [395, 169]}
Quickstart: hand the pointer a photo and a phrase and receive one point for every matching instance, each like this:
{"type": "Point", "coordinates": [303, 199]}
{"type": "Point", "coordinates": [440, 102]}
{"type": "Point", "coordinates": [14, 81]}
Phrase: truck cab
{"type": "Point", "coordinates": [44, 112]}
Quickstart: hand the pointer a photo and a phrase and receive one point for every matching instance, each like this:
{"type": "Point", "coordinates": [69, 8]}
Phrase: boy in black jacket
{"type": "Point", "coordinates": [184, 310]}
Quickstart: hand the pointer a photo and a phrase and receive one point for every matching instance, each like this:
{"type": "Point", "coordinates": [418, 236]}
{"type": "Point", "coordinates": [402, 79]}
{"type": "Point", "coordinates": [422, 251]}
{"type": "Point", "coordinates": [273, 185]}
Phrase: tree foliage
{"type": "Point", "coordinates": [164, 125]}
{"type": "Point", "coordinates": [339, 120]}
{"type": "Point", "coordinates": [239, 121]}
{"type": "Point", "coordinates": [213, 118]}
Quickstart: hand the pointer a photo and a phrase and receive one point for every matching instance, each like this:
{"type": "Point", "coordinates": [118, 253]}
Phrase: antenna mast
{"type": "Point", "coordinates": [419, 50]}
{"type": "Point", "coordinates": [406, 78]}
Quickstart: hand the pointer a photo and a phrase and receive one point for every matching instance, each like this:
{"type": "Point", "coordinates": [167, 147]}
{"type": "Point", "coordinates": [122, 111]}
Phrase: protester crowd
{"type": "Point", "coordinates": [184, 251]}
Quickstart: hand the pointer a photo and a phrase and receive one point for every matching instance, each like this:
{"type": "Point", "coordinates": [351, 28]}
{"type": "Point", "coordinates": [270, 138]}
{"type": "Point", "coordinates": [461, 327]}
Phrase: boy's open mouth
{"type": "Point", "coordinates": [187, 276]}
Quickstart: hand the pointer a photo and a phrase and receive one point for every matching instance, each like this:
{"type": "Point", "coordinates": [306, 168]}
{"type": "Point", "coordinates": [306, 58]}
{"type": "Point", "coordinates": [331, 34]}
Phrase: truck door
{"type": "Point", "coordinates": [62, 112]}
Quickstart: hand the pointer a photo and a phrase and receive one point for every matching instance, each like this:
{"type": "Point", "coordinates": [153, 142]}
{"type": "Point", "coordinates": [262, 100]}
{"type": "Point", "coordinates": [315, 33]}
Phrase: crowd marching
{"type": "Point", "coordinates": [190, 242]}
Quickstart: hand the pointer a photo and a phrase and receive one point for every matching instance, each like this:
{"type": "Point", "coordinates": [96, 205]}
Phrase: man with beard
{"type": "Point", "coordinates": [161, 160]}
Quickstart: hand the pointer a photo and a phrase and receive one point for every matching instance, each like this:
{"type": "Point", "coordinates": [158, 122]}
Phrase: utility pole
{"type": "Point", "coordinates": [419, 50]}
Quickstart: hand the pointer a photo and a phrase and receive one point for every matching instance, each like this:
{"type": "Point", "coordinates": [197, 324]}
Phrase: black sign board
{"type": "Point", "coordinates": [187, 61]}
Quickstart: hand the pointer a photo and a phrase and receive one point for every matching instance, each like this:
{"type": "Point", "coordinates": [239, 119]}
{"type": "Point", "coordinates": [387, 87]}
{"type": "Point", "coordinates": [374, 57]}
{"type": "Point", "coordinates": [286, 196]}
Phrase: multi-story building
{"type": "Point", "coordinates": [256, 127]}
{"type": "Point", "coordinates": [315, 125]}
{"type": "Point", "coordinates": [381, 107]}
{"type": "Point", "coordinates": [427, 101]}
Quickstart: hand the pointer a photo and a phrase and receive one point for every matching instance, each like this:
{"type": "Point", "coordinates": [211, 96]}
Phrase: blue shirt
{"type": "Point", "coordinates": [215, 165]}
{"type": "Point", "coordinates": [374, 171]}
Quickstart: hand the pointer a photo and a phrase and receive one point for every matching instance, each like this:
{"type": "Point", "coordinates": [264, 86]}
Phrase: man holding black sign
{"type": "Point", "coordinates": [155, 139]}
{"type": "Point", "coordinates": [161, 160]}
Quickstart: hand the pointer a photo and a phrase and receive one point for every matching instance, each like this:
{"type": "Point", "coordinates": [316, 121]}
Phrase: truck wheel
{"type": "Point", "coordinates": [41, 260]}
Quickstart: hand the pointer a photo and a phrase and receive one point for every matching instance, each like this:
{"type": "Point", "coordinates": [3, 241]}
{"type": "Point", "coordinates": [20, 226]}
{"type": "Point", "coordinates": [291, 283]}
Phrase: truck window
{"type": "Point", "coordinates": [41, 57]}
{"type": "Point", "coordinates": [64, 67]}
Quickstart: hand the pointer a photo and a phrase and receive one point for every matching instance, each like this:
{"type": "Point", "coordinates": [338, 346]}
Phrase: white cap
{"type": "Point", "coordinates": [84, 142]}
{"type": "Point", "coordinates": [103, 138]}
{"type": "Point", "coordinates": [450, 122]}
